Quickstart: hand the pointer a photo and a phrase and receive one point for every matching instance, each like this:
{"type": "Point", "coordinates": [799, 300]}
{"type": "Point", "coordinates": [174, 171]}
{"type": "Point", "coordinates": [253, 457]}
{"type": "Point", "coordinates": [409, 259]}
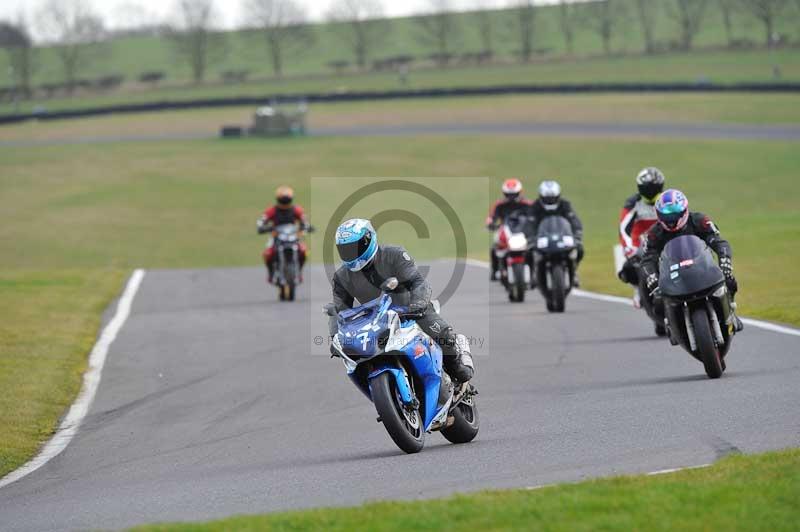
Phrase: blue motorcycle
{"type": "Point", "coordinates": [399, 368]}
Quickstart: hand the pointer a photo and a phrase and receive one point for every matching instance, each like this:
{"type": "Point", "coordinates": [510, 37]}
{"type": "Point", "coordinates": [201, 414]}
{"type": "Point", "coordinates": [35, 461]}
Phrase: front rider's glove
{"type": "Point", "coordinates": [652, 282]}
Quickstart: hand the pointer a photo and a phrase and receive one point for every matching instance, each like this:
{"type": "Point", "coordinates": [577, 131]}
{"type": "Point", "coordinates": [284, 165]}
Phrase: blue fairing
{"type": "Point", "coordinates": [362, 330]}
{"type": "Point", "coordinates": [400, 378]}
{"type": "Point", "coordinates": [358, 335]}
{"type": "Point", "coordinates": [429, 368]}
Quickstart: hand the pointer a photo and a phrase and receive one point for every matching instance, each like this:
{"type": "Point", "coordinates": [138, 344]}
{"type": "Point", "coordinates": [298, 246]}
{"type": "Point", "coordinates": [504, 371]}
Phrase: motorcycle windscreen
{"type": "Point", "coordinates": [286, 232]}
{"type": "Point", "coordinates": [687, 267]}
{"type": "Point", "coordinates": [550, 235]}
{"type": "Point", "coordinates": [519, 222]}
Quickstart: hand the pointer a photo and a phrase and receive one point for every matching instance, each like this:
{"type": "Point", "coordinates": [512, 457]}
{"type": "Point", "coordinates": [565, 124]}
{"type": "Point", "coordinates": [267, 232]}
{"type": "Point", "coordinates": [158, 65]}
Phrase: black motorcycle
{"type": "Point", "coordinates": [556, 256]}
{"type": "Point", "coordinates": [287, 268]}
{"type": "Point", "coordinates": [697, 303]}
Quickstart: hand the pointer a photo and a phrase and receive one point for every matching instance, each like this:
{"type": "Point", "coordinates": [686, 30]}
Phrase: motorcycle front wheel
{"type": "Point", "coordinates": [403, 424]}
{"type": "Point", "coordinates": [706, 347]}
{"type": "Point", "coordinates": [558, 292]}
{"type": "Point", "coordinates": [517, 289]}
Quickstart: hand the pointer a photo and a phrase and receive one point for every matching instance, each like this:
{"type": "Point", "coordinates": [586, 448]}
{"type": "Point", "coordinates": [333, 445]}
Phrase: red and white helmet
{"type": "Point", "coordinates": [512, 188]}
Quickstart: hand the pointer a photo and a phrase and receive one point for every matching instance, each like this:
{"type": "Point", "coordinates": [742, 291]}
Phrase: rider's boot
{"type": "Point", "coordinates": [457, 357]}
{"type": "Point", "coordinates": [737, 323]}
{"type": "Point", "coordinates": [494, 274]}
{"type": "Point", "coordinates": [270, 272]}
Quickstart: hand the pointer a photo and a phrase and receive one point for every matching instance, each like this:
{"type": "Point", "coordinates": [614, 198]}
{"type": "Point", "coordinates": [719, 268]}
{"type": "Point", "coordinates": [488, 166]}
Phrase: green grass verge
{"type": "Point", "coordinates": [737, 493]}
{"type": "Point", "coordinates": [75, 218]}
{"type": "Point", "coordinates": [48, 324]}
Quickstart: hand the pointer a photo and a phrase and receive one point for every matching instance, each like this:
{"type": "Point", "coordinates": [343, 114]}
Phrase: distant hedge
{"type": "Point", "coordinates": [404, 94]}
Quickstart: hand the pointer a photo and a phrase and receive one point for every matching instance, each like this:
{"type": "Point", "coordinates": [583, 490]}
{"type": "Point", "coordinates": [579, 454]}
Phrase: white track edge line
{"type": "Point", "coordinates": [649, 474]}
{"type": "Point", "coordinates": [767, 326]}
{"type": "Point", "coordinates": [91, 380]}
{"type": "Point", "coordinates": [676, 469]}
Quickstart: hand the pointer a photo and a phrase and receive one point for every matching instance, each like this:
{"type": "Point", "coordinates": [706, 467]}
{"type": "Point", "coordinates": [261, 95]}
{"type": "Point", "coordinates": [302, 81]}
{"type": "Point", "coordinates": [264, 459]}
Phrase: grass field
{"type": "Point", "coordinates": [718, 67]}
{"type": "Point", "coordinates": [737, 493]}
{"type": "Point", "coordinates": [75, 219]}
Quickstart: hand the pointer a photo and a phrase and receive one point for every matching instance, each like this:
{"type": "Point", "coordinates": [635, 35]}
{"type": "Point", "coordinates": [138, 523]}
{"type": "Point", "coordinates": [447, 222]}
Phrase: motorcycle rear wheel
{"type": "Point", "coordinates": [387, 402]}
{"type": "Point", "coordinates": [706, 346]}
{"type": "Point", "coordinates": [467, 422]}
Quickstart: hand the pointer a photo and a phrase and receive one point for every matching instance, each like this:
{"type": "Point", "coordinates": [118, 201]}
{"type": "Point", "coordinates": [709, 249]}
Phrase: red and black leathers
{"type": "Point", "coordinates": [280, 215]}
{"type": "Point", "coordinates": [502, 208]}
{"type": "Point", "coordinates": [637, 217]}
{"type": "Point", "coordinates": [699, 225]}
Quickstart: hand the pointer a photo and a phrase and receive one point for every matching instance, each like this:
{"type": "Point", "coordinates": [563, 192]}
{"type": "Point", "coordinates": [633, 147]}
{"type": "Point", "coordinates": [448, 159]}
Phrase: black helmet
{"type": "Point", "coordinates": [650, 183]}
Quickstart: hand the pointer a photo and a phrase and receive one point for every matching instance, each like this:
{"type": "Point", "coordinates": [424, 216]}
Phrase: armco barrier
{"type": "Point", "coordinates": [403, 94]}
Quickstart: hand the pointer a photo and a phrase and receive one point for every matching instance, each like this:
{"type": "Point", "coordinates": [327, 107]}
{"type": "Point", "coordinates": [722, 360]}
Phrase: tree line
{"type": "Point", "coordinates": [283, 30]}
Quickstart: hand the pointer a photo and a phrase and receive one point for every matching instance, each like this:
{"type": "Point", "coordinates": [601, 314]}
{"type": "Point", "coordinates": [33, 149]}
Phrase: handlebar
{"type": "Point", "coordinates": [265, 227]}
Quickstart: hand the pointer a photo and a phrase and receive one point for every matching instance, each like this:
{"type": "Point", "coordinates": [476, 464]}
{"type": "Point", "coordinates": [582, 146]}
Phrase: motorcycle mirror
{"type": "Point", "coordinates": [310, 229]}
{"type": "Point", "coordinates": [389, 284]}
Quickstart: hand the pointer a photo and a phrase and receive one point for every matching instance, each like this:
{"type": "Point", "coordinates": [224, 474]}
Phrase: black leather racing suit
{"type": "Point", "coordinates": [413, 291]}
{"type": "Point", "coordinates": [698, 224]}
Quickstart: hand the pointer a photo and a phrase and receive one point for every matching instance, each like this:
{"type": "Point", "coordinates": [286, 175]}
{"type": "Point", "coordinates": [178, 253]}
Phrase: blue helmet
{"type": "Point", "coordinates": [672, 210]}
{"type": "Point", "coordinates": [357, 243]}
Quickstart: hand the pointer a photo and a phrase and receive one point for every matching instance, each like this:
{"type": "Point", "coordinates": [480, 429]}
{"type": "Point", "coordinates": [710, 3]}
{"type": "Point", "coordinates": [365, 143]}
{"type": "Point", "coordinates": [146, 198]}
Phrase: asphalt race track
{"type": "Point", "coordinates": [211, 404]}
{"type": "Point", "coordinates": [597, 129]}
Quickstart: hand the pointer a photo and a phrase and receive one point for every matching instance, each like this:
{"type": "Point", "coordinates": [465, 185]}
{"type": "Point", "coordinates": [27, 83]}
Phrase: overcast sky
{"type": "Point", "coordinates": [116, 12]}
